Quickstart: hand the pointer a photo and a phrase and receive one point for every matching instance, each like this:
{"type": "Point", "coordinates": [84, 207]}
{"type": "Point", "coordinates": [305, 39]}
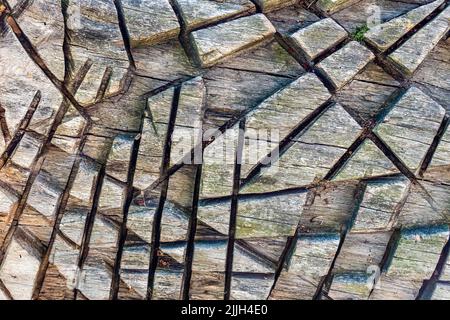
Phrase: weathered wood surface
{"type": "Point", "coordinates": [411, 54]}
{"type": "Point", "coordinates": [270, 5]}
{"type": "Point", "coordinates": [411, 137]}
{"type": "Point", "coordinates": [344, 64]}
{"type": "Point", "coordinates": [386, 34]}
{"type": "Point", "coordinates": [330, 7]}
{"type": "Point", "coordinates": [204, 12]}
{"type": "Point", "coordinates": [216, 43]}
{"type": "Point", "coordinates": [323, 174]}
{"type": "Point", "coordinates": [316, 38]}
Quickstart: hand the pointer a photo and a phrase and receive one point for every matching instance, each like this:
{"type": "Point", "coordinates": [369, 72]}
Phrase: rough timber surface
{"type": "Point", "coordinates": [209, 149]}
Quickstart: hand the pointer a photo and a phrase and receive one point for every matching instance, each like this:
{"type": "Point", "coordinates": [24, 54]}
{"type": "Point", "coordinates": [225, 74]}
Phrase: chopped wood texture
{"type": "Point", "coordinates": [208, 149]}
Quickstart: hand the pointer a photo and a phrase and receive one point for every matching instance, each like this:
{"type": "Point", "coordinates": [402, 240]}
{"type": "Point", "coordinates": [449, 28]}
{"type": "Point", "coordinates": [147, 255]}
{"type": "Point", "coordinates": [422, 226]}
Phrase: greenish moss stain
{"type": "Point", "coordinates": [281, 55]}
{"type": "Point", "coordinates": [246, 228]}
{"type": "Point", "coordinates": [326, 3]}
{"type": "Point", "coordinates": [359, 32]}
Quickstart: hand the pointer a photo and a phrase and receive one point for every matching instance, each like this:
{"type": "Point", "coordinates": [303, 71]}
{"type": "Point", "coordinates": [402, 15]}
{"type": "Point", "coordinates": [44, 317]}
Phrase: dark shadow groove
{"type": "Point", "coordinates": [414, 30]}
{"type": "Point", "coordinates": [437, 139]}
{"type": "Point", "coordinates": [192, 230]}
{"type": "Point", "coordinates": [388, 254]}
{"type": "Point", "coordinates": [89, 225]}
{"type": "Point", "coordinates": [60, 209]}
{"type": "Point", "coordinates": [291, 243]}
{"type": "Point", "coordinates": [156, 229]}
{"type": "Point", "coordinates": [115, 282]}
{"type": "Point", "coordinates": [13, 143]}
{"type": "Point", "coordinates": [37, 59]}
{"type": "Point", "coordinates": [392, 156]}
{"type": "Point", "coordinates": [233, 212]}
{"type": "Point", "coordinates": [428, 286]}
{"type": "Point", "coordinates": [324, 284]}
{"type": "Point", "coordinates": [287, 141]}
{"type": "Point", "coordinates": [124, 31]}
